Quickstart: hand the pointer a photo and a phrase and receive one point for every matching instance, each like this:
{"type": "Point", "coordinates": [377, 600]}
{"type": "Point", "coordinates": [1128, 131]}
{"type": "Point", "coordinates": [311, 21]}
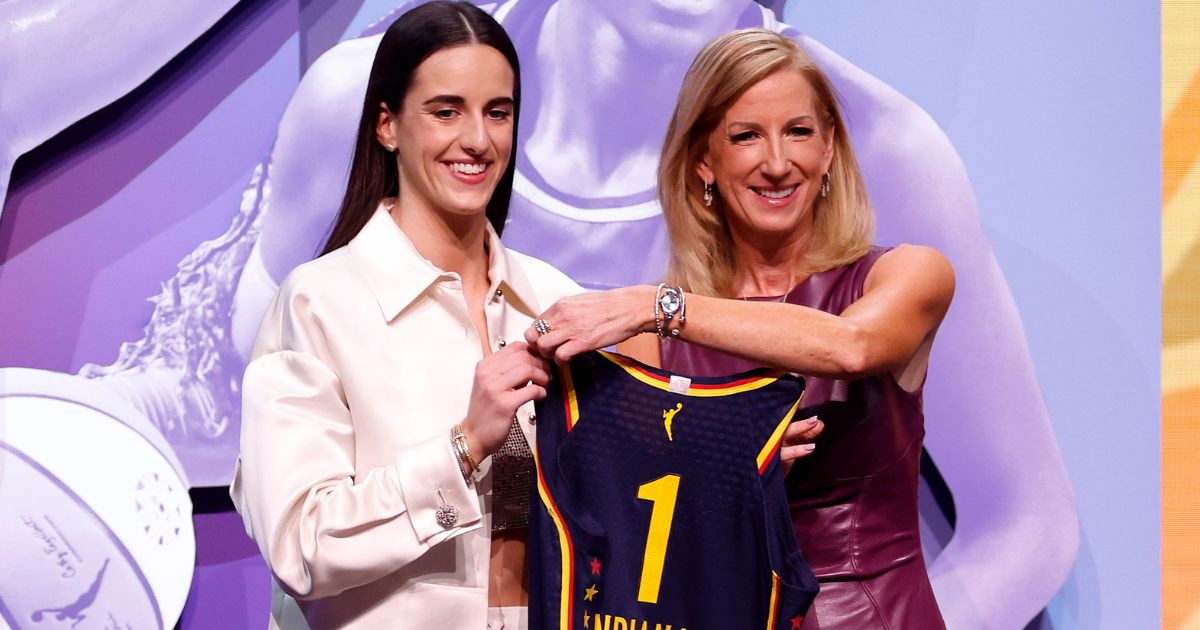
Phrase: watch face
{"type": "Point", "coordinates": [669, 302]}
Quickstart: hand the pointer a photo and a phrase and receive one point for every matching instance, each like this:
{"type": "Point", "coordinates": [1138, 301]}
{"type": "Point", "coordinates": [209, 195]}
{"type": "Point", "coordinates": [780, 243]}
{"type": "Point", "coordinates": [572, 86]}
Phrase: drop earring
{"type": "Point", "coordinates": [825, 185]}
{"type": "Point", "coordinates": [708, 196]}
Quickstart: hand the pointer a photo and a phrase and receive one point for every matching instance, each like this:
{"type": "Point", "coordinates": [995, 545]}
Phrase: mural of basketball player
{"type": "Point", "coordinates": [601, 77]}
{"type": "Point", "coordinates": [36, 38]}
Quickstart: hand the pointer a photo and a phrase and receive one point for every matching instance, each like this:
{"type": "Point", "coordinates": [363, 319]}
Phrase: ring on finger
{"type": "Point", "coordinates": [541, 326]}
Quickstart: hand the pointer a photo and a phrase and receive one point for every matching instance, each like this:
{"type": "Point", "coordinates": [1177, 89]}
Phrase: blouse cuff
{"type": "Point", "coordinates": [438, 499]}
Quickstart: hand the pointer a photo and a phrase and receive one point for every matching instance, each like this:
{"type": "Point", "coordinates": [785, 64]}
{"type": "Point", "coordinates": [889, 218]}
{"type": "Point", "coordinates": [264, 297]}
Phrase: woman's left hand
{"type": "Point", "coordinates": [798, 440]}
{"type": "Point", "coordinates": [588, 321]}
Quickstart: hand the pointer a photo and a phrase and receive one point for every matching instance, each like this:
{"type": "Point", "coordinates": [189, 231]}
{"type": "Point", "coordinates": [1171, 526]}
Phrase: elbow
{"type": "Point", "coordinates": [851, 358]}
{"type": "Point", "coordinates": [302, 570]}
{"type": "Point", "coordinates": [298, 585]}
{"type": "Point", "coordinates": [1062, 537]}
{"type": "Point", "coordinates": [305, 580]}
{"type": "Point", "coordinates": [316, 590]}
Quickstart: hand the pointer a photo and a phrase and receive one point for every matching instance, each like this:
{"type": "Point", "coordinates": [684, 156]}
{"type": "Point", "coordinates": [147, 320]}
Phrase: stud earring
{"type": "Point", "coordinates": [708, 196]}
{"type": "Point", "coordinates": [825, 185]}
{"type": "Point", "coordinates": [391, 148]}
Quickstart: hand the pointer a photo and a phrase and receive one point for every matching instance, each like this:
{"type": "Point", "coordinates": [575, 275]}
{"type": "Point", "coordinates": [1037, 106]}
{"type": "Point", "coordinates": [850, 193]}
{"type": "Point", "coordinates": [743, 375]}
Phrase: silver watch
{"type": "Point", "coordinates": [670, 300]}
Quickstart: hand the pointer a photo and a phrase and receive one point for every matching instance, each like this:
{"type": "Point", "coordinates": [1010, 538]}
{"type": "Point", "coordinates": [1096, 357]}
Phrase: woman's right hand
{"type": "Point", "coordinates": [504, 381]}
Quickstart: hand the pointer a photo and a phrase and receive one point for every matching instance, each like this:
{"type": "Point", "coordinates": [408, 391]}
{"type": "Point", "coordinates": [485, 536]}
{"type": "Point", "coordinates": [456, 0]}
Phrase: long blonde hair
{"type": "Point", "coordinates": [702, 254]}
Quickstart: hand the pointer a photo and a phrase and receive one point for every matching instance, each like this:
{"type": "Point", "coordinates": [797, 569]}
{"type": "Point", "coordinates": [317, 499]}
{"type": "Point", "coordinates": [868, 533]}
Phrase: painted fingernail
{"type": "Point", "coordinates": [808, 448]}
{"type": "Point", "coordinates": [812, 422]}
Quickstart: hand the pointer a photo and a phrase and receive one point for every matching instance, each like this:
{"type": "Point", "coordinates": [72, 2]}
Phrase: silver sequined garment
{"type": "Point", "coordinates": [512, 481]}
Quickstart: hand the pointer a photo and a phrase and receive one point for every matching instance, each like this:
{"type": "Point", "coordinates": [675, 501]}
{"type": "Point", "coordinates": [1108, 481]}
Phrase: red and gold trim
{"type": "Point", "coordinates": [701, 390]}
{"type": "Point", "coordinates": [570, 400]}
{"type": "Point", "coordinates": [565, 548]}
{"type": "Point", "coordinates": [773, 609]}
{"type": "Point", "coordinates": [773, 443]}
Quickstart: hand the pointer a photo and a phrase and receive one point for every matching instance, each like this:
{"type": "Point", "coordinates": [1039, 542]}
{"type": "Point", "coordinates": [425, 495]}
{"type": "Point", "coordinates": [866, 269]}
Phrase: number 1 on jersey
{"type": "Point", "coordinates": [662, 493]}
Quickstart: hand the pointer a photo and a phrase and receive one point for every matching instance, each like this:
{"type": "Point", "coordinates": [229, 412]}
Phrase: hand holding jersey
{"type": "Point", "coordinates": [596, 319]}
{"type": "Point", "coordinates": [504, 380]}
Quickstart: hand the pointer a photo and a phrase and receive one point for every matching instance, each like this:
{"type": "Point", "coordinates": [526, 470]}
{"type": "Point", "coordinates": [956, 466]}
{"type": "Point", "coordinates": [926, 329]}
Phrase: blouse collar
{"type": "Point", "coordinates": [398, 274]}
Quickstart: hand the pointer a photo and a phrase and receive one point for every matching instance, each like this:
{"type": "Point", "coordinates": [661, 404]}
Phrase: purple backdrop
{"type": "Point", "coordinates": [198, 175]}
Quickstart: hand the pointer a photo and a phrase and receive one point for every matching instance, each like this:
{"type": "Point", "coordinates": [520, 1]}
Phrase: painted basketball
{"type": "Point", "coordinates": [95, 519]}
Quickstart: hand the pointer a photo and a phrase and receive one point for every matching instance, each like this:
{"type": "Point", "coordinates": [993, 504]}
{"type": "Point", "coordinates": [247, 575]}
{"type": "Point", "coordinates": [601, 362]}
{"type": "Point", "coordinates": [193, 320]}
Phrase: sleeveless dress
{"type": "Point", "coordinates": [854, 499]}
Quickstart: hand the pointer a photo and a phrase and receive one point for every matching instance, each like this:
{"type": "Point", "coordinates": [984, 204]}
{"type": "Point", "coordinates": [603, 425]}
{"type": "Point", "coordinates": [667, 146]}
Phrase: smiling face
{"type": "Point", "coordinates": [454, 131]}
{"type": "Point", "coordinates": [767, 156]}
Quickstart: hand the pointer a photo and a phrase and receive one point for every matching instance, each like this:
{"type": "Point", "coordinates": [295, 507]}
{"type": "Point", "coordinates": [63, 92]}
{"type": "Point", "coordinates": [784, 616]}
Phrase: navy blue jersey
{"type": "Point", "coordinates": [660, 503]}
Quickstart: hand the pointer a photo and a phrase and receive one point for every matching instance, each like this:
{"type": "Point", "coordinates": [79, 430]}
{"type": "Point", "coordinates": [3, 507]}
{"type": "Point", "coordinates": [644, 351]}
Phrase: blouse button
{"type": "Point", "coordinates": [501, 342]}
{"type": "Point", "coordinates": [532, 418]}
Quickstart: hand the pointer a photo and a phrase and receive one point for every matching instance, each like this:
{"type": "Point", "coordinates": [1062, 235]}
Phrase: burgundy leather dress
{"type": "Point", "coordinates": [854, 499]}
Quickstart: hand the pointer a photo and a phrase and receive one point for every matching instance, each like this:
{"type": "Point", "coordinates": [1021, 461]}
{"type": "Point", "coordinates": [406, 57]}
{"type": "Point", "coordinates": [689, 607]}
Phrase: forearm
{"type": "Point", "coordinates": [786, 336]}
{"type": "Point", "coordinates": [323, 520]}
{"type": "Point", "coordinates": [904, 296]}
{"type": "Point", "coordinates": [323, 538]}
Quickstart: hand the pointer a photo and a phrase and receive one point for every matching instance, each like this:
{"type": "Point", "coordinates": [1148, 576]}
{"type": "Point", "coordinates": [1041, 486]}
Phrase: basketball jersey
{"type": "Point", "coordinates": [660, 502]}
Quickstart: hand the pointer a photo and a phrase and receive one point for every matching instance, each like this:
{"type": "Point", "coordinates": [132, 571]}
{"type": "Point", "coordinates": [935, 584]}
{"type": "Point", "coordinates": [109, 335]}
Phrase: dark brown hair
{"type": "Point", "coordinates": [406, 44]}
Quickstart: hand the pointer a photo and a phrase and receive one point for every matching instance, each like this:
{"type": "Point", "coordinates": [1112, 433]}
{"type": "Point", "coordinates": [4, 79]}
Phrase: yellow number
{"type": "Point", "coordinates": [662, 493]}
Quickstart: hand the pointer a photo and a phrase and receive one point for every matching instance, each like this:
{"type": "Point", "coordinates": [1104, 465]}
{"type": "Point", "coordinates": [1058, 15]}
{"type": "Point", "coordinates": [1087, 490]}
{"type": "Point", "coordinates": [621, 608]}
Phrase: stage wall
{"type": "Point", "coordinates": [151, 198]}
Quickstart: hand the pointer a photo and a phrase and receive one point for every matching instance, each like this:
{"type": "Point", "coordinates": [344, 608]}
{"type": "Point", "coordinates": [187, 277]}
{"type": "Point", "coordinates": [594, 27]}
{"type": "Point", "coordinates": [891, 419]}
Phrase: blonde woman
{"type": "Point", "coordinates": [771, 263]}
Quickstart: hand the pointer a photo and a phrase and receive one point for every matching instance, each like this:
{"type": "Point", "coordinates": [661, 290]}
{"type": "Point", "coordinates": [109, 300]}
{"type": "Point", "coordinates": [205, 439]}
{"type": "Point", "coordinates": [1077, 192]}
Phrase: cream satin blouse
{"type": "Point", "coordinates": [364, 361]}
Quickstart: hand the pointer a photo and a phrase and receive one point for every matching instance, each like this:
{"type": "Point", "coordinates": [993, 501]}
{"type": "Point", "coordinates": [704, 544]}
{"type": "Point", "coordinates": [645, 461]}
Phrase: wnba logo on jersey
{"type": "Point", "coordinates": [669, 418]}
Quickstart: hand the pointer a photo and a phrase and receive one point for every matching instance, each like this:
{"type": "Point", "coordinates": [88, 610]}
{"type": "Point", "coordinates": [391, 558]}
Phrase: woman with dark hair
{"type": "Point", "coordinates": [382, 378]}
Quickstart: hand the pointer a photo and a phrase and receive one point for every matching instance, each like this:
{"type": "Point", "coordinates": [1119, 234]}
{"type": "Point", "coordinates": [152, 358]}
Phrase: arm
{"type": "Point", "coordinates": [321, 528]}
{"type": "Point", "coordinates": [322, 525]}
{"type": "Point", "coordinates": [906, 294]}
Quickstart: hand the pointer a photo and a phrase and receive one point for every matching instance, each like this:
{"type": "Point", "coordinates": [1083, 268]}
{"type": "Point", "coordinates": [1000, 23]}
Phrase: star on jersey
{"type": "Point", "coordinates": [590, 592]}
{"type": "Point", "coordinates": [796, 621]}
{"type": "Point", "coordinates": [595, 566]}
{"type": "Point", "coordinates": [669, 417]}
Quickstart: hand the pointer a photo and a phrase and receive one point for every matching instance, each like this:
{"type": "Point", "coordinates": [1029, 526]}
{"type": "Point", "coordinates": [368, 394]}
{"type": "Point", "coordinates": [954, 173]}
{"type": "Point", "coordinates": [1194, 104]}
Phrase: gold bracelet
{"type": "Point", "coordinates": [465, 461]}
